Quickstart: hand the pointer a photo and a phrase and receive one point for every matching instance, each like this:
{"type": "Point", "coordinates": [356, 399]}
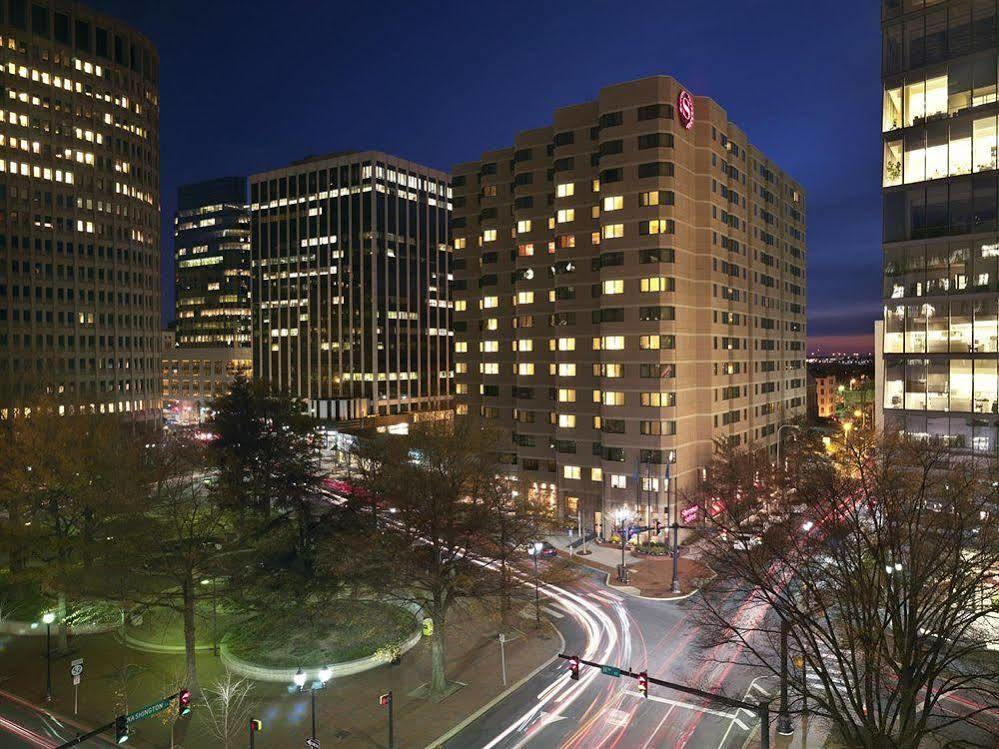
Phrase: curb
{"type": "Point", "coordinates": [625, 589]}
{"type": "Point", "coordinates": [439, 741]}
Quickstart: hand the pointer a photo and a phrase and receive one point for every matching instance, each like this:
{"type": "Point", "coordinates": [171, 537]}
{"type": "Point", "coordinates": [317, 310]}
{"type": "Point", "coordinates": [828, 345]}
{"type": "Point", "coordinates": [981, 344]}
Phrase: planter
{"type": "Point", "coordinates": [285, 674]}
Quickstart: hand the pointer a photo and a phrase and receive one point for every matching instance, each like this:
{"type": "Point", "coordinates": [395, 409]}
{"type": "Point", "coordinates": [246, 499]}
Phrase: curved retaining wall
{"type": "Point", "coordinates": [346, 668]}
{"type": "Point", "coordinates": [14, 627]}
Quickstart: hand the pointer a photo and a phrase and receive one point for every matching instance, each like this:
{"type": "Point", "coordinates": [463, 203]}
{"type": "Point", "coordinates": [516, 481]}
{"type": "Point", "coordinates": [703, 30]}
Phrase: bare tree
{"type": "Point", "coordinates": [228, 707]}
{"type": "Point", "coordinates": [874, 568]}
{"type": "Point", "coordinates": [445, 544]}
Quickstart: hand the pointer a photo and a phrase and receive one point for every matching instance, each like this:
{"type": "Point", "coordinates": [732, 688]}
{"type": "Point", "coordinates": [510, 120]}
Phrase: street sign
{"type": "Point", "coordinates": [312, 743]}
{"type": "Point", "coordinates": [76, 681]}
{"type": "Point", "coordinates": [610, 670]}
{"type": "Point", "coordinates": [145, 712]}
{"type": "Point", "coordinates": [76, 668]}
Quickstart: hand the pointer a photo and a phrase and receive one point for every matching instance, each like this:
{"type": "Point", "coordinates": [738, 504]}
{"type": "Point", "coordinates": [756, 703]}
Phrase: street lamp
{"type": "Point", "coordinates": [47, 620]}
{"type": "Point", "coordinates": [325, 674]}
{"type": "Point", "coordinates": [621, 514]}
{"type": "Point", "coordinates": [535, 551]}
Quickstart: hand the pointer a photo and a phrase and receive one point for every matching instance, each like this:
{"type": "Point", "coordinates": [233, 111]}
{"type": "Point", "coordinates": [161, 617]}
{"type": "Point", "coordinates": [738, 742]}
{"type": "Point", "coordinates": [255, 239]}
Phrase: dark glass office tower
{"type": "Point", "coordinates": [212, 252]}
{"type": "Point", "coordinates": [941, 245]}
{"type": "Point", "coordinates": [79, 211]}
{"type": "Point", "coordinates": [351, 298]}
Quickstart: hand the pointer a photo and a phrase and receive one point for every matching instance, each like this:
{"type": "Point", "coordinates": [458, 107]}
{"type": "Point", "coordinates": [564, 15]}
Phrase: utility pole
{"type": "Point", "coordinates": [784, 727]}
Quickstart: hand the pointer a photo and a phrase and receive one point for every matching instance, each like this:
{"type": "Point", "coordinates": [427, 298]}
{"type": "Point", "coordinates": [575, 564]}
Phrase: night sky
{"type": "Point", "coordinates": [247, 86]}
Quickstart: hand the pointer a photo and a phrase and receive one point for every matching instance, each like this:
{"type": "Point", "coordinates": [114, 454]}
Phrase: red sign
{"type": "Point", "coordinates": [685, 109]}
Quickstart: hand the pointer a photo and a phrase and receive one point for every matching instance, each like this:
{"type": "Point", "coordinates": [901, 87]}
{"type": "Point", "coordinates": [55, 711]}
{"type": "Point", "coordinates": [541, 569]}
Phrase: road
{"type": "Point", "coordinates": [22, 725]}
{"type": "Point", "coordinates": [599, 624]}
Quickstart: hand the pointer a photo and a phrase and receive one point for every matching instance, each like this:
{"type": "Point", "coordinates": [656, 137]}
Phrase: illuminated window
{"type": "Point", "coordinates": [461, 388]}
{"type": "Point", "coordinates": [525, 297]}
{"type": "Point", "coordinates": [566, 395]}
{"type": "Point", "coordinates": [649, 198]}
{"type": "Point", "coordinates": [524, 226]}
{"type": "Point", "coordinates": [461, 409]}
{"type": "Point", "coordinates": [612, 231]}
{"type": "Point", "coordinates": [596, 474]}
{"type": "Point", "coordinates": [526, 344]}
{"type": "Point", "coordinates": [613, 202]}
{"type": "Point", "coordinates": [596, 185]}
{"type": "Point", "coordinates": [459, 243]}
{"type": "Point", "coordinates": [611, 371]}
{"type": "Point", "coordinates": [525, 369]}
{"type": "Point", "coordinates": [489, 347]}
{"type": "Point", "coordinates": [489, 302]}
{"type": "Point", "coordinates": [658, 400]}
{"type": "Point", "coordinates": [461, 367]}
{"type": "Point", "coordinates": [658, 226]}
{"type": "Point", "coordinates": [492, 323]}
{"type": "Point", "coordinates": [566, 344]}
{"type": "Point", "coordinates": [525, 250]}
{"type": "Point", "coordinates": [649, 342]}
{"type": "Point", "coordinates": [489, 235]}
{"type": "Point", "coordinates": [613, 398]}
{"type": "Point", "coordinates": [461, 347]}
{"type": "Point", "coordinates": [566, 370]}
{"type": "Point", "coordinates": [657, 283]}
{"type": "Point", "coordinates": [613, 286]}
{"type": "Point", "coordinates": [566, 215]}
{"type": "Point", "coordinates": [571, 472]}
{"type": "Point", "coordinates": [567, 421]}
{"type": "Point", "coordinates": [489, 368]}
{"type": "Point", "coordinates": [618, 481]}
{"type": "Point", "coordinates": [612, 342]}
{"type": "Point", "coordinates": [565, 189]}
{"type": "Point", "coordinates": [460, 305]}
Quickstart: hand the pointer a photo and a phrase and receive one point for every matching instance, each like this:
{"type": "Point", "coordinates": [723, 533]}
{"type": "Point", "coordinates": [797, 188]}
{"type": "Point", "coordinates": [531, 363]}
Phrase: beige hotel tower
{"type": "Point", "coordinates": [629, 288]}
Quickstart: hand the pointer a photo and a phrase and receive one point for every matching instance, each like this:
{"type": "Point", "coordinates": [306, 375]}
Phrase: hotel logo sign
{"type": "Point", "coordinates": [685, 109]}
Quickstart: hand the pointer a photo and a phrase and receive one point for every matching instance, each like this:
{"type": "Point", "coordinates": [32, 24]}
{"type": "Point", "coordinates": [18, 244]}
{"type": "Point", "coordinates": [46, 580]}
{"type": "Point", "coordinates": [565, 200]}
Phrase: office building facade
{"type": "Point", "coordinates": [350, 286]}
{"type": "Point", "coordinates": [194, 376]}
{"type": "Point", "coordinates": [940, 339]}
{"type": "Point", "coordinates": [79, 200]}
{"type": "Point", "coordinates": [212, 264]}
{"type": "Point", "coordinates": [629, 288]}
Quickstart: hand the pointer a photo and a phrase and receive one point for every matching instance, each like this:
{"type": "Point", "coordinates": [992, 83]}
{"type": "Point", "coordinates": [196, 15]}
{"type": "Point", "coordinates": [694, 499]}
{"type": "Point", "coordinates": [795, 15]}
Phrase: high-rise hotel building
{"type": "Point", "coordinates": [941, 244]}
{"type": "Point", "coordinates": [351, 263]}
{"type": "Point", "coordinates": [212, 257]}
{"type": "Point", "coordinates": [629, 288]}
{"type": "Point", "coordinates": [79, 210]}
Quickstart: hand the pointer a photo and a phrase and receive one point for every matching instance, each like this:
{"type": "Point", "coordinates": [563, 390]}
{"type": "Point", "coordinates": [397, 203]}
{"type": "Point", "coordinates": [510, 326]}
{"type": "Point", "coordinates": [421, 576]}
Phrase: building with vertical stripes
{"type": "Point", "coordinates": [79, 211]}
{"type": "Point", "coordinates": [629, 289]}
{"type": "Point", "coordinates": [351, 264]}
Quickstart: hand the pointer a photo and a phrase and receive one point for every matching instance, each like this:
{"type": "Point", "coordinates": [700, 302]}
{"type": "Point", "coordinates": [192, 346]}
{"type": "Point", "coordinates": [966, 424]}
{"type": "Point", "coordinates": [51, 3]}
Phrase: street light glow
{"type": "Point", "coordinates": [325, 674]}
{"type": "Point", "coordinates": [48, 618]}
{"type": "Point", "coordinates": [299, 678]}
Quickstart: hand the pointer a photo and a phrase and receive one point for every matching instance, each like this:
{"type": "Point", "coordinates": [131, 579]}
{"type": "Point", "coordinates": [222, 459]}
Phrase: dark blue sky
{"type": "Point", "coordinates": [247, 86]}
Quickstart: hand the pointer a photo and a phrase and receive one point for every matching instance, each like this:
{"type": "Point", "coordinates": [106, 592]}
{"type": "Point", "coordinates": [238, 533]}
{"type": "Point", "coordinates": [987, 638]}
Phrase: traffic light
{"type": "Point", "coordinates": [255, 725]}
{"type": "Point", "coordinates": [183, 701]}
{"type": "Point", "coordinates": [121, 729]}
{"type": "Point", "coordinates": [574, 668]}
{"type": "Point", "coordinates": [643, 683]}
{"type": "Point", "coordinates": [385, 699]}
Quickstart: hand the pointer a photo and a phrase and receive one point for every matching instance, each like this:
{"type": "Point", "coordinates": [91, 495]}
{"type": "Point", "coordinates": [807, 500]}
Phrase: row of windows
{"type": "Point", "coordinates": [946, 268]}
{"type": "Point", "coordinates": [941, 150]}
{"type": "Point", "coordinates": [966, 205]}
{"type": "Point", "coordinates": [948, 31]}
{"type": "Point", "coordinates": [970, 326]}
{"type": "Point", "coordinates": [963, 385]}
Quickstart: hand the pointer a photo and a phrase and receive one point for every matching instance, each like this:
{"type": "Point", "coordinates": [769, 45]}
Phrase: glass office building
{"type": "Point", "coordinates": [941, 244]}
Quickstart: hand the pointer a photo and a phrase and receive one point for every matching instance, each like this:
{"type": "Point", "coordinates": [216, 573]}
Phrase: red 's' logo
{"type": "Point", "coordinates": [685, 109]}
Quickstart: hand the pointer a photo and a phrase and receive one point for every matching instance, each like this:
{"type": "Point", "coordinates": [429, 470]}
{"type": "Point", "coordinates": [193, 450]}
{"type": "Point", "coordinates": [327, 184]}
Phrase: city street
{"type": "Point", "coordinates": [550, 710]}
{"type": "Point", "coordinates": [22, 725]}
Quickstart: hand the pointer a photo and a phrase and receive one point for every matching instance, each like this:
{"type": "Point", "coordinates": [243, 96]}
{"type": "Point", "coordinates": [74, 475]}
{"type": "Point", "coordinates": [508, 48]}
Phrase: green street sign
{"type": "Point", "coordinates": [144, 712]}
{"type": "Point", "coordinates": [610, 670]}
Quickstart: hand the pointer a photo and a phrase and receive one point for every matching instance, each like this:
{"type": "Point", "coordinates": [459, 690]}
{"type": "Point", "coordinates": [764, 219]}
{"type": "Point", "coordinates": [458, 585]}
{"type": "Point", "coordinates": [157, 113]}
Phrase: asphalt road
{"type": "Point", "coordinates": [599, 624]}
{"type": "Point", "coordinates": [22, 725]}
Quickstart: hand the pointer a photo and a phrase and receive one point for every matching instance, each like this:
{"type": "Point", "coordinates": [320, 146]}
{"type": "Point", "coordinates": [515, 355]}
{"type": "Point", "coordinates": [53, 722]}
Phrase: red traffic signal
{"type": "Point", "coordinates": [574, 668]}
{"type": "Point", "coordinates": [643, 684]}
{"type": "Point", "coordinates": [256, 725]}
{"type": "Point", "coordinates": [184, 701]}
{"type": "Point", "coordinates": [385, 699]}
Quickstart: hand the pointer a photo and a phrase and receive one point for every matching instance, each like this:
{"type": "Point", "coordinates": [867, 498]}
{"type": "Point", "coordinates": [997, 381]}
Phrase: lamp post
{"type": "Point", "coordinates": [784, 726]}
{"type": "Point", "coordinates": [325, 674]}
{"type": "Point", "coordinates": [215, 631]}
{"type": "Point", "coordinates": [535, 551]}
{"type": "Point", "coordinates": [621, 514]}
{"type": "Point", "coordinates": [47, 620]}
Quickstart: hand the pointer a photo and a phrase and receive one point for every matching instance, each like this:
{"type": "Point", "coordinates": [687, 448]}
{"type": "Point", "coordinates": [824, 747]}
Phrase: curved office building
{"type": "Point", "coordinates": [79, 211]}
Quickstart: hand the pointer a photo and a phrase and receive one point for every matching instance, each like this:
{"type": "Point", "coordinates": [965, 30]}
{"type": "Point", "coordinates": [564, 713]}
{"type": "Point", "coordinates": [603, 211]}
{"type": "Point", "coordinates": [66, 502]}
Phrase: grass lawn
{"type": "Point", "coordinates": [350, 629]}
{"type": "Point", "coordinates": [164, 626]}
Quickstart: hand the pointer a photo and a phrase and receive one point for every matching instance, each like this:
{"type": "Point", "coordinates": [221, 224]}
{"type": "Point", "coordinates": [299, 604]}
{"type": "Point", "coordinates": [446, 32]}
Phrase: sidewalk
{"type": "Point", "coordinates": [348, 713]}
{"type": "Point", "coordinates": [649, 576]}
